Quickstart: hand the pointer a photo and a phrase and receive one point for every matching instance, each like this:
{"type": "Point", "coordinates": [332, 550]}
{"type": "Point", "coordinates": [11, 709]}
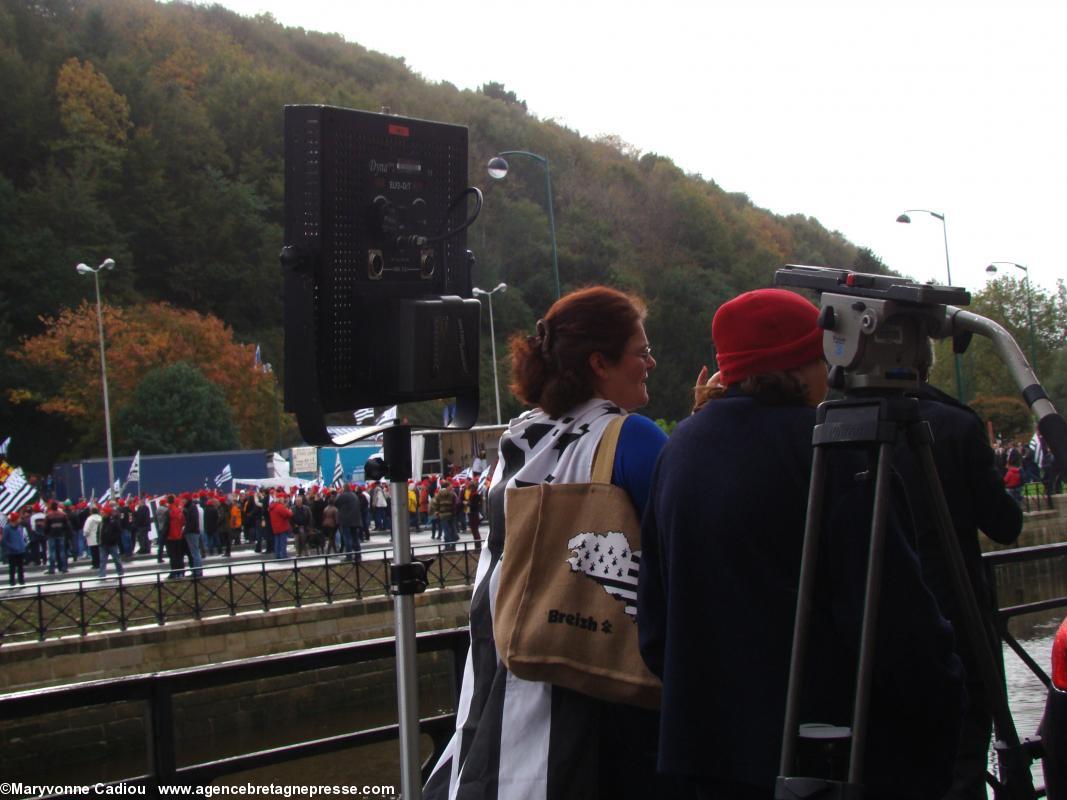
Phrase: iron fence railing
{"type": "Point", "coordinates": [158, 690]}
{"type": "Point", "coordinates": [152, 598]}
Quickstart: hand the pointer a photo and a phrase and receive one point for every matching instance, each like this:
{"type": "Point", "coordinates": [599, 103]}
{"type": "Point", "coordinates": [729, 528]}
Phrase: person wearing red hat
{"type": "Point", "coordinates": [110, 539]}
{"type": "Point", "coordinates": [15, 540]}
{"type": "Point", "coordinates": [720, 562]}
{"type": "Point", "coordinates": [175, 543]}
{"type": "Point", "coordinates": [280, 515]}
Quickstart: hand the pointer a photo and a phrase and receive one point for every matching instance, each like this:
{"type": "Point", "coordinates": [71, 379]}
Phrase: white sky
{"type": "Point", "coordinates": [850, 111]}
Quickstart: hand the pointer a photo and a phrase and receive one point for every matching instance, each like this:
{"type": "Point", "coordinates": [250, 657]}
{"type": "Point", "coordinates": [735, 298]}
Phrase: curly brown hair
{"type": "Point", "coordinates": [551, 368]}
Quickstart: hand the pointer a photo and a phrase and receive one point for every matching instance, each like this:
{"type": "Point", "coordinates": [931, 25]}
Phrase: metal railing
{"type": "Point", "coordinates": [157, 691]}
{"type": "Point", "coordinates": [152, 598]}
{"type": "Point", "coordinates": [1036, 496]}
{"type": "Point", "coordinates": [1022, 555]}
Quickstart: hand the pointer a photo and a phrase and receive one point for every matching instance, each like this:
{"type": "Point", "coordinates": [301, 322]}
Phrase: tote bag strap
{"type": "Point", "coordinates": [604, 460]}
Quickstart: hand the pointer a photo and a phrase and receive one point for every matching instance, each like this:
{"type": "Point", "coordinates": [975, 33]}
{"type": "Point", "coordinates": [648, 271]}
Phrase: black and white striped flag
{"type": "Point", "coordinates": [224, 477]}
{"type": "Point", "coordinates": [135, 470]}
{"type": "Point", "coordinates": [363, 415]}
{"type": "Point", "coordinates": [338, 471]}
{"type": "Point", "coordinates": [15, 491]}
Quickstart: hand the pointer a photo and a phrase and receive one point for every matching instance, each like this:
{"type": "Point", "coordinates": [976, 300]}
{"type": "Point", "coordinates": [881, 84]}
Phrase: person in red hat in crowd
{"type": "Point", "coordinates": [193, 533]}
{"type": "Point", "coordinates": [702, 583]}
{"type": "Point", "coordinates": [162, 527]}
{"type": "Point", "coordinates": [58, 531]}
{"type": "Point", "coordinates": [15, 540]}
{"type": "Point", "coordinates": [110, 539]}
{"type": "Point", "coordinates": [424, 501]}
{"type": "Point", "coordinates": [280, 517]}
{"type": "Point", "coordinates": [444, 509]}
{"type": "Point", "coordinates": [301, 525]}
{"type": "Point", "coordinates": [91, 531]}
{"type": "Point", "coordinates": [175, 537]}
{"type": "Point", "coordinates": [142, 522]}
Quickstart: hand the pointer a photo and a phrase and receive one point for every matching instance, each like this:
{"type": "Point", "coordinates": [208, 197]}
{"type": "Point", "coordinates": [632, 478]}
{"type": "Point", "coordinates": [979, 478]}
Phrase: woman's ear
{"type": "Point", "coordinates": [598, 364]}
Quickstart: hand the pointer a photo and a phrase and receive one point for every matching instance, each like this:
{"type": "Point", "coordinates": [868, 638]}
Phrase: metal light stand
{"type": "Point", "coordinates": [881, 421]}
{"type": "Point", "coordinates": [407, 578]}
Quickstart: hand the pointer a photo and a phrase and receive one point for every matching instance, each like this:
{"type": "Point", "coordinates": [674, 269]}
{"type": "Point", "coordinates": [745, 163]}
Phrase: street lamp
{"type": "Point", "coordinates": [501, 287]}
{"type": "Point", "coordinates": [498, 169]}
{"type": "Point", "coordinates": [948, 270]}
{"type": "Point", "coordinates": [85, 269]}
{"type": "Point", "coordinates": [992, 270]}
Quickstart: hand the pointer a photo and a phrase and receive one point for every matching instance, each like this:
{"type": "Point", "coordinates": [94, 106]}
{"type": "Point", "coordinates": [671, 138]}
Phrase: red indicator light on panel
{"type": "Point", "coordinates": [399, 130]}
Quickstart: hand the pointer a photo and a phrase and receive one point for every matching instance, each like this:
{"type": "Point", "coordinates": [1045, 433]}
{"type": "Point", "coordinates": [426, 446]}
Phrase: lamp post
{"type": "Point", "coordinates": [85, 269]}
{"type": "Point", "coordinates": [992, 270]}
{"type": "Point", "coordinates": [498, 169]}
{"type": "Point", "coordinates": [948, 270]}
{"type": "Point", "coordinates": [501, 287]}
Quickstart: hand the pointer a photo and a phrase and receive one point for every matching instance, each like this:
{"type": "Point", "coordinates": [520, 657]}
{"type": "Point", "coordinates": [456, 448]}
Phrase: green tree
{"type": "Point", "coordinates": [175, 409]}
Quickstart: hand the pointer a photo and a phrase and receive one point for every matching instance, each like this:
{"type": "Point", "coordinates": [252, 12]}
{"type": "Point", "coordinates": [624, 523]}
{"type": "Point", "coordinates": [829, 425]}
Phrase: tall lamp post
{"type": "Point", "coordinates": [948, 270]}
{"type": "Point", "coordinates": [85, 269]}
{"type": "Point", "coordinates": [992, 270]}
{"type": "Point", "coordinates": [498, 169]}
{"type": "Point", "coordinates": [501, 287]}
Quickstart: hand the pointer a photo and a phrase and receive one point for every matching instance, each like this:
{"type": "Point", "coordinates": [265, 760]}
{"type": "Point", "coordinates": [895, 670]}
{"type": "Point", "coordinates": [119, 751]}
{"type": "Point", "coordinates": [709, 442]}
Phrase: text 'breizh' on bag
{"type": "Point", "coordinates": [566, 607]}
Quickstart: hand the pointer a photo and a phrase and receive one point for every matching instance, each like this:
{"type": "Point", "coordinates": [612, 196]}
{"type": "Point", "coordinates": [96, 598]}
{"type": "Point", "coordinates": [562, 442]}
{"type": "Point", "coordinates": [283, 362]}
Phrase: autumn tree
{"type": "Point", "coordinates": [63, 367]}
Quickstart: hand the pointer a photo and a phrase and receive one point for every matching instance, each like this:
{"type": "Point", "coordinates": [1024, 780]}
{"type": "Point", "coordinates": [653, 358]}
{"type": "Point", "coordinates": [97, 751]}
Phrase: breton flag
{"type": "Point", "coordinates": [135, 470]}
{"type": "Point", "coordinates": [15, 491]}
{"type": "Point", "coordinates": [608, 560]}
{"type": "Point", "coordinates": [338, 471]}
{"type": "Point", "coordinates": [387, 416]}
{"type": "Point", "coordinates": [363, 415]}
{"type": "Point", "coordinates": [7, 443]}
{"type": "Point", "coordinates": [115, 490]}
{"type": "Point", "coordinates": [259, 358]}
{"type": "Point", "coordinates": [224, 477]}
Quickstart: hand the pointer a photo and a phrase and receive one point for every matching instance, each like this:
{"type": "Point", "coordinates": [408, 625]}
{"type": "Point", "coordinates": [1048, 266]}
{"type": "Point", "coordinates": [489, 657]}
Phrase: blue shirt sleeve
{"type": "Point", "coordinates": [640, 441]}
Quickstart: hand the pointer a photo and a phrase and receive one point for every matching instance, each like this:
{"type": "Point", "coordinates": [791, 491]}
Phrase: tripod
{"type": "Point", "coordinates": [883, 420]}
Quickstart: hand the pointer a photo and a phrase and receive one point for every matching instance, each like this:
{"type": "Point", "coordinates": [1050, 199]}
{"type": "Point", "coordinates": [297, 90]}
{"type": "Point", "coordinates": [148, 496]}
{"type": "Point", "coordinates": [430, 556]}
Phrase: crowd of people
{"type": "Point", "coordinates": [189, 526]}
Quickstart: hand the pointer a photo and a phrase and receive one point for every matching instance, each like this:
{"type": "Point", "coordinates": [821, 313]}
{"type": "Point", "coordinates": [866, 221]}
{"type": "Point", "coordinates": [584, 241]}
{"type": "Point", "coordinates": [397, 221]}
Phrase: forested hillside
{"type": "Point", "coordinates": [152, 134]}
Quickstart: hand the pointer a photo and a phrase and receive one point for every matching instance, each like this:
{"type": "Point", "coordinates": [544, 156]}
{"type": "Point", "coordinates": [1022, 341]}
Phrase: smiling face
{"type": "Point", "coordinates": [623, 382]}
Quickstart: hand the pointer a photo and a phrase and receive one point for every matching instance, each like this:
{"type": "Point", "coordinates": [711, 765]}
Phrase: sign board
{"type": "Point", "coordinates": [305, 459]}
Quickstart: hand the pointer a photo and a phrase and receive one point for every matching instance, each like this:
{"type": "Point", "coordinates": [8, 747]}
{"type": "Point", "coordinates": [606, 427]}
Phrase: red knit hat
{"type": "Point", "coordinates": [764, 331]}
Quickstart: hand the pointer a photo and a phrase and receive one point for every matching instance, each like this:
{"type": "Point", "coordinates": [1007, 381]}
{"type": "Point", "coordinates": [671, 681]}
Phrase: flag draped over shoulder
{"type": "Point", "coordinates": [224, 477]}
{"type": "Point", "coordinates": [15, 490]}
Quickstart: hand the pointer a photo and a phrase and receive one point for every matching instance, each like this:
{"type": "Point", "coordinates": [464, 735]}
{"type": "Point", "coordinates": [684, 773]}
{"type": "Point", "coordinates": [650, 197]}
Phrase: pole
{"type": "Point", "coordinates": [397, 451]}
{"type": "Point", "coordinates": [552, 228]}
{"type": "Point", "coordinates": [492, 341]}
{"type": "Point", "coordinates": [1030, 316]}
{"type": "Point", "coordinates": [948, 271]}
{"type": "Point", "coordinates": [103, 375]}
{"type": "Point", "coordinates": [551, 211]}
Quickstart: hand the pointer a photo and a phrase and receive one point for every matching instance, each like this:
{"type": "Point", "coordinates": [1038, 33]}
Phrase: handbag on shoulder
{"type": "Point", "coordinates": [566, 607]}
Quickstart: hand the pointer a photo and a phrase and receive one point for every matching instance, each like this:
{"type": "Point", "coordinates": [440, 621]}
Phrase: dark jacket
{"type": "Point", "coordinates": [721, 545]}
{"type": "Point", "coordinates": [111, 531]}
{"type": "Point", "coordinates": [211, 518]}
{"type": "Point", "coordinates": [348, 513]}
{"type": "Point", "coordinates": [976, 501]}
{"type": "Point", "coordinates": [192, 517]}
{"type": "Point", "coordinates": [57, 525]}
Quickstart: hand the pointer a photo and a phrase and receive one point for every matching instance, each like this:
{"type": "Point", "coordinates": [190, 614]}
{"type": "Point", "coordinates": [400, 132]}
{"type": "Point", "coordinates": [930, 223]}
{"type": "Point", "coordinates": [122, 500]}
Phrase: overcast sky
{"type": "Point", "coordinates": [850, 112]}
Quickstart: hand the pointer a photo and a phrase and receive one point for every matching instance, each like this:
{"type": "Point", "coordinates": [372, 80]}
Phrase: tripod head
{"type": "Point", "coordinates": [876, 330]}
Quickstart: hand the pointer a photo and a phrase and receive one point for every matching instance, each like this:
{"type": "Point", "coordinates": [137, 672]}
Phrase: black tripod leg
{"type": "Point", "coordinates": [805, 591]}
{"type": "Point", "coordinates": [871, 602]}
{"type": "Point", "coordinates": [1016, 781]}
